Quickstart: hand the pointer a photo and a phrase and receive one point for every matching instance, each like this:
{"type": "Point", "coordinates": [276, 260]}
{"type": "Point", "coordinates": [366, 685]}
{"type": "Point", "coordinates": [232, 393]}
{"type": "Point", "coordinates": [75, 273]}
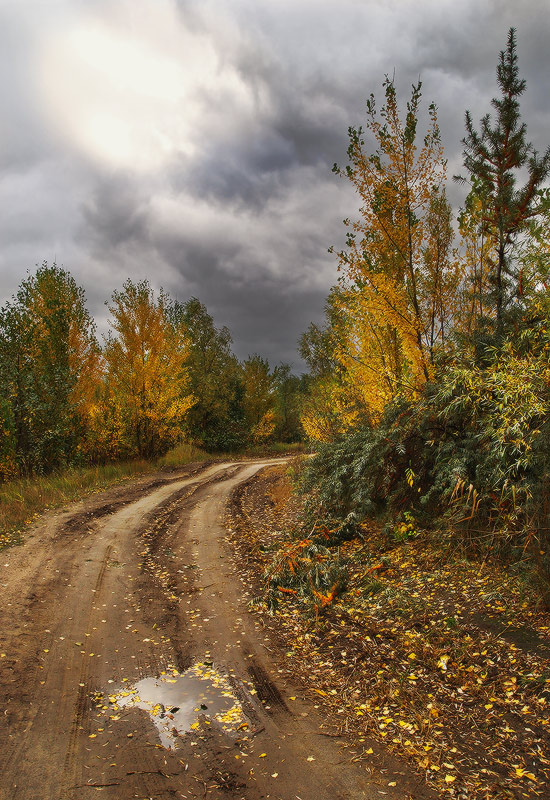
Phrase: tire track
{"type": "Point", "coordinates": [139, 617]}
{"type": "Point", "coordinates": [82, 704]}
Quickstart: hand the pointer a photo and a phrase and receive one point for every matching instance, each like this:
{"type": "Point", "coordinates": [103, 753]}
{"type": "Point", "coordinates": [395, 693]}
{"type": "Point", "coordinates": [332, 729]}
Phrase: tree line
{"type": "Point", "coordinates": [431, 375]}
{"type": "Point", "coordinates": [163, 374]}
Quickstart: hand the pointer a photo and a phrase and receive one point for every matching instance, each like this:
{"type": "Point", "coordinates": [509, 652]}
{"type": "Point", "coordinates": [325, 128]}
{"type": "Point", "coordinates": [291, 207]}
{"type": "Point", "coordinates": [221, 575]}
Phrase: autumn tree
{"type": "Point", "coordinates": [258, 400]}
{"type": "Point", "coordinates": [334, 401]}
{"type": "Point", "coordinates": [49, 369]}
{"type": "Point", "coordinates": [289, 393]}
{"type": "Point", "coordinates": [145, 355]}
{"type": "Point", "coordinates": [398, 273]}
{"type": "Point", "coordinates": [216, 420]}
{"type": "Point", "coordinates": [500, 208]}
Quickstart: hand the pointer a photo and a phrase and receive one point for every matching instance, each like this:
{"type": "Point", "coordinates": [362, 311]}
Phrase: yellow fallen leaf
{"type": "Point", "coordinates": [450, 778]}
{"type": "Point", "coordinates": [320, 691]}
{"type": "Point", "coordinates": [262, 755]}
{"type": "Point", "coordinates": [522, 773]}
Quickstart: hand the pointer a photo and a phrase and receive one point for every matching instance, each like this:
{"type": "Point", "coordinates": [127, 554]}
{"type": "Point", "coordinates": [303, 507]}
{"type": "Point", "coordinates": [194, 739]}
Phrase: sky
{"type": "Point", "coordinates": [191, 142]}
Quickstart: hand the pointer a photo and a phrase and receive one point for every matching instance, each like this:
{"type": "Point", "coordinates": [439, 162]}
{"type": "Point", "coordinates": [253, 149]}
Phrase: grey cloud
{"type": "Point", "coordinates": [244, 218]}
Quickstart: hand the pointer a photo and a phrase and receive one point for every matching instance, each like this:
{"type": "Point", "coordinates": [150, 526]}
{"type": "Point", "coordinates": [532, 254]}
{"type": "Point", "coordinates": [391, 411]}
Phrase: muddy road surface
{"type": "Point", "coordinates": [130, 666]}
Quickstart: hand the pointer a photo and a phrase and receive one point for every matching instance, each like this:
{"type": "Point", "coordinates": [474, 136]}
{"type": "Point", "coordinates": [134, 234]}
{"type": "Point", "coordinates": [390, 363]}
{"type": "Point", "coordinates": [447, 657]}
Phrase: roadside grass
{"type": "Point", "coordinates": [181, 454]}
{"type": "Point", "coordinates": [275, 449]}
{"type": "Point", "coordinates": [22, 500]}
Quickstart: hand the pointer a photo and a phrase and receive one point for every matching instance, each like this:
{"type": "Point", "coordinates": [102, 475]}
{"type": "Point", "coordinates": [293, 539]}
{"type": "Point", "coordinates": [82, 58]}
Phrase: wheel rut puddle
{"type": "Point", "coordinates": [177, 703]}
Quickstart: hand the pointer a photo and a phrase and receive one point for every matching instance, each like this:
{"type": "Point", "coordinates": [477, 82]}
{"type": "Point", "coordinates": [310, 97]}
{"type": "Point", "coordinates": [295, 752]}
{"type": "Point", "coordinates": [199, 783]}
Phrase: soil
{"type": "Point", "coordinates": [141, 582]}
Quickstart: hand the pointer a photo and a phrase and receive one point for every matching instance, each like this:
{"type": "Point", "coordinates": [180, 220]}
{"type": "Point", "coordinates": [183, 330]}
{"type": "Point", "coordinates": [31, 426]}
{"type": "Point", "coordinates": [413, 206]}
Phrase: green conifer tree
{"type": "Point", "coordinates": [494, 156]}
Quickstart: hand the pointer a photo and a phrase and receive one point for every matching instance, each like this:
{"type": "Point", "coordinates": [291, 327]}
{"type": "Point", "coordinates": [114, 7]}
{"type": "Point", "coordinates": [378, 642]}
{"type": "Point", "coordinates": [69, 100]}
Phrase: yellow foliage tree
{"type": "Point", "coordinates": [398, 274]}
{"type": "Point", "coordinates": [258, 386]}
{"type": "Point", "coordinates": [265, 428]}
{"type": "Point", "coordinates": [145, 358]}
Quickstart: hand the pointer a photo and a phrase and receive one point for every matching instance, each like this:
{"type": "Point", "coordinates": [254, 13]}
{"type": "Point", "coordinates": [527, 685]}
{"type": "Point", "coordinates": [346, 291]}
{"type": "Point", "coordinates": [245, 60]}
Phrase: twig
{"type": "Point", "coordinates": [95, 785]}
{"type": "Point", "coordinates": [149, 772]}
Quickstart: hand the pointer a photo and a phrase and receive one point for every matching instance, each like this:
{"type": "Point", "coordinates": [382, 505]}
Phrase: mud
{"type": "Point", "coordinates": [131, 586]}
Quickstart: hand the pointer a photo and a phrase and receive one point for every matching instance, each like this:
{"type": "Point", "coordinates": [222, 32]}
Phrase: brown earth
{"type": "Point", "coordinates": [135, 583]}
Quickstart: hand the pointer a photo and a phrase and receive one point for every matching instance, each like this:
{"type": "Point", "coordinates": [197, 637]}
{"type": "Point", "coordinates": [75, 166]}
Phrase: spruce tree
{"type": "Point", "coordinates": [493, 156]}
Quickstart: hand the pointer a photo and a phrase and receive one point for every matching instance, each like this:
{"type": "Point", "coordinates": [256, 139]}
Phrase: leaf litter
{"type": "Point", "coordinates": [442, 660]}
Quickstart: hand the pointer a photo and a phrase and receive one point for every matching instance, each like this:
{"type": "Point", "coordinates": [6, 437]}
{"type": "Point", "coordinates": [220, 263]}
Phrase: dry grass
{"type": "Point", "coordinates": [23, 499]}
{"type": "Point", "coordinates": [183, 453]}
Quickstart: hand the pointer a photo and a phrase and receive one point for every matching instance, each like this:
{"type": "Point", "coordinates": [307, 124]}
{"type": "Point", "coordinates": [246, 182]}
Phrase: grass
{"type": "Point", "coordinates": [22, 500]}
{"type": "Point", "coordinates": [275, 449]}
{"type": "Point", "coordinates": [183, 453]}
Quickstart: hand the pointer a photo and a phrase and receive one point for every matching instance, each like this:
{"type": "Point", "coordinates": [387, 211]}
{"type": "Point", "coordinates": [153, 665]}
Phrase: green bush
{"type": "Point", "coordinates": [471, 458]}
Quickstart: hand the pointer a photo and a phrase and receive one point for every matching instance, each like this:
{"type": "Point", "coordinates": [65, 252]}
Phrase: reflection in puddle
{"type": "Point", "coordinates": [175, 701]}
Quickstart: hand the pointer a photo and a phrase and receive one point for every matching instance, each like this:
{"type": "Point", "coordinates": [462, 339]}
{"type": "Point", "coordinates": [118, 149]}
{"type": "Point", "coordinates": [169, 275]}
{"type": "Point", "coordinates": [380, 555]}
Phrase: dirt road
{"type": "Point", "coordinates": [130, 666]}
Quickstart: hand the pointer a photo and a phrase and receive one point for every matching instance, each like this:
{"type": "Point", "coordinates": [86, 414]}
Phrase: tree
{"type": "Point", "coordinates": [49, 368]}
{"type": "Point", "coordinates": [335, 398]}
{"type": "Point", "coordinates": [316, 347]}
{"type": "Point", "coordinates": [258, 400]}
{"type": "Point", "coordinates": [8, 463]}
{"type": "Point", "coordinates": [215, 420]}
{"type": "Point", "coordinates": [396, 293]}
{"type": "Point", "coordinates": [289, 393]}
{"type": "Point", "coordinates": [494, 157]}
{"type": "Point", "coordinates": [145, 358]}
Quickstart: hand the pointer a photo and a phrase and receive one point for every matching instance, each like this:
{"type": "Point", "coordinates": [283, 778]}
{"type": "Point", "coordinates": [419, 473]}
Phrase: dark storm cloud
{"type": "Point", "coordinates": [234, 200]}
{"type": "Point", "coordinates": [114, 216]}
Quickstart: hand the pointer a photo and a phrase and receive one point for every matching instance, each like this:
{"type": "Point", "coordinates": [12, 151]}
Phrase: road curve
{"type": "Point", "coordinates": [106, 595]}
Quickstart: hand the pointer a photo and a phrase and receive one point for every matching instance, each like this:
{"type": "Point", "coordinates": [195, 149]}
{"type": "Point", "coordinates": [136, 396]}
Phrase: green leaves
{"type": "Point", "coordinates": [49, 360]}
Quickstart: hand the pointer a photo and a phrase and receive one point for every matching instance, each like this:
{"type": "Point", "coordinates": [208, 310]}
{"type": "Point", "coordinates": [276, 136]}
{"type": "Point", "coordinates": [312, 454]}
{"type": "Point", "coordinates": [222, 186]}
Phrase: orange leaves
{"type": "Point", "coordinates": [146, 368]}
{"type": "Point", "coordinates": [326, 599]}
{"type": "Point", "coordinates": [395, 298]}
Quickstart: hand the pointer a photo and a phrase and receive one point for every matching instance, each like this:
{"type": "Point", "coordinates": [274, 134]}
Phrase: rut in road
{"type": "Point", "coordinates": [99, 606]}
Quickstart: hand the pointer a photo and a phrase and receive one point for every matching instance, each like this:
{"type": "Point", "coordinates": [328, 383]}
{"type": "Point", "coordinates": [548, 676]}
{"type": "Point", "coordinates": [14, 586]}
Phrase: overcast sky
{"type": "Point", "coordinates": [191, 142]}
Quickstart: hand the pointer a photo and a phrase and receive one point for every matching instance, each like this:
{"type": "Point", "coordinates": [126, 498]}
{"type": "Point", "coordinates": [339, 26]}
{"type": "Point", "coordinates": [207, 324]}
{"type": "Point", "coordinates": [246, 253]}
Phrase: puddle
{"type": "Point", "coordinates": [175, 702]}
